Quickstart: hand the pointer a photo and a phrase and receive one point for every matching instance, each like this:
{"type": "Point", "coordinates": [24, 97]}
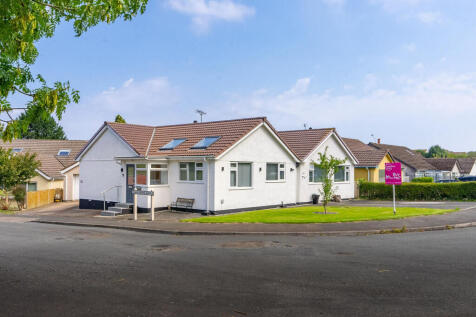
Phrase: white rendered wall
{"type": "Point", "coordinates": [258, 148]}
{"type": "Point", "coordinates": [306, 189]}
{"type": "Point", "coordinates": [99, 169]}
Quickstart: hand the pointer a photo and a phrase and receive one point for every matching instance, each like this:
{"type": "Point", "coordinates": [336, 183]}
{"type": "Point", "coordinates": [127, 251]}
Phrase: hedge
{"type": "Point", "coordinates": [422, 180]}
{"type": "Point", "coordinates": [419, 191]}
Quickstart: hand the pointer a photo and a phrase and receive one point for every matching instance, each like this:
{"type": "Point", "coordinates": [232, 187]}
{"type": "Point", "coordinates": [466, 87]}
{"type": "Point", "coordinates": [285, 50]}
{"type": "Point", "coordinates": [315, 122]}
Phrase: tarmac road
{"type": "Point", "coordinates": [52, 270]}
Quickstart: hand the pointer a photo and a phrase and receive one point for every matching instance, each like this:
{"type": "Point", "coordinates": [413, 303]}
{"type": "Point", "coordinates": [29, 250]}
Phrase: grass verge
{"type": "Point", "coordinates": [307, 214]}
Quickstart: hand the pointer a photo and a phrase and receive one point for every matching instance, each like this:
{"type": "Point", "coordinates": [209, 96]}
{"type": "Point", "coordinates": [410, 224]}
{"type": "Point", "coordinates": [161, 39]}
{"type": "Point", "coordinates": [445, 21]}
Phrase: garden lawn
{"type": "Point", "coordinates": [307, 214]}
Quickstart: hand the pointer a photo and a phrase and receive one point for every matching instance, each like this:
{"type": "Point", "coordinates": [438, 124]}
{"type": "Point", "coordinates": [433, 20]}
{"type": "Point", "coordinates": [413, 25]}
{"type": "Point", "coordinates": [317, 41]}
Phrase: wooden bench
{"type": "Point", "coordinates": [186, 203]}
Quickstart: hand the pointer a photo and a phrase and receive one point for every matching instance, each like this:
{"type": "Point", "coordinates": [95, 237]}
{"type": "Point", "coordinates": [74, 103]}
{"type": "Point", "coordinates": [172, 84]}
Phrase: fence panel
{"type": "Point", "coordinates": [40, 198]}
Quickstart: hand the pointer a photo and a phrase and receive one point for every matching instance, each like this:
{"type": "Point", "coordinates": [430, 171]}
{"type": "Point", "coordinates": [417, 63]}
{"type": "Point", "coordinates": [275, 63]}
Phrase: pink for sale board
{"type": "Point", "coordinates": [393, 173]}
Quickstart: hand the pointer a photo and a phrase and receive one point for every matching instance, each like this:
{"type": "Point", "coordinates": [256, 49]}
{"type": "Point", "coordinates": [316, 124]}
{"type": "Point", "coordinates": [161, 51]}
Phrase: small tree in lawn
{"type": "Point", "coordinates": [329, 166]}
{"type": "Point", "coordinates": [15, 169]}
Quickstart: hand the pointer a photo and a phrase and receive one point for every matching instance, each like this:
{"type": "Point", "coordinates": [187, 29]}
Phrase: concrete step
{"type": "Point", "coordinates": [123, 205]}
{"type": "Point", "coordinates": [120, 210]}
{"type": "Point", "coordinates": [110, 213]}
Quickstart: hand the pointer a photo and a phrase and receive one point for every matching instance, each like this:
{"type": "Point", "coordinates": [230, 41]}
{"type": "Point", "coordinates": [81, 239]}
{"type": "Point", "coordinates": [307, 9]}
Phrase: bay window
{"type": "Point", "coordinates": [240, 174]}
{"type": "Point", "coordinates": [191, 171]}
{"type": "Point", "coordinates": [275, 171]}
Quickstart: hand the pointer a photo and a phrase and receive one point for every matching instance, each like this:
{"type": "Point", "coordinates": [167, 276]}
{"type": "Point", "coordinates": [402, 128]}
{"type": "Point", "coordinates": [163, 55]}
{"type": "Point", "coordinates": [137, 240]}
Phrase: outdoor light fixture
{"type": "Point", "coordinates": [223, 168]}
{"type": "Point", "coordinates": [291, 169]}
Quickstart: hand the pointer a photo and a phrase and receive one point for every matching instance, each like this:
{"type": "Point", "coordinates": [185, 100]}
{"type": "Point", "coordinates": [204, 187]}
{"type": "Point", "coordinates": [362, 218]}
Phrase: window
{"type": "Point", "coordinates": [316, 174]}
{"type": "Point", "coordinates": [381, 176]}
{"type": "Point", "coordinates": [17, 149]}
{"type": "Point", "coordinates": [191, 171]}
{"type": "Point", "coordinates": [158, 174]}
{"type": "Point", "coordinates": [141, 174]}
{"type": "Point", "coordinates": [275, 171]}
{"type": "Point", "coordinates": [240, 174]}
{"type": "Point", "coordinates": [32, 187]}
{"type": "Point", "coordinates": [342, 174]}
{"type": "Point", "coordinates": [172, 144]}
{"type": "Point", "coordinates": [206, 142]}
{"type": "Point", "coordinates": [63, 152]}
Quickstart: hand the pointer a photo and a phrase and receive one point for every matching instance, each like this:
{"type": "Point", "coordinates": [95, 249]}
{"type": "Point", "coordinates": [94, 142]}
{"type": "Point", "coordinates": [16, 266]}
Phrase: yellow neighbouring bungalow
{"type": "Point", "coordinates": [371, 161]}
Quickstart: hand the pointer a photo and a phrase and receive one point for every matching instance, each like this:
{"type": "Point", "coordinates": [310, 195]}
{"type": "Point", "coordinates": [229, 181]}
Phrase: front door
{"type": "Point", "coordinates": [131, 181]}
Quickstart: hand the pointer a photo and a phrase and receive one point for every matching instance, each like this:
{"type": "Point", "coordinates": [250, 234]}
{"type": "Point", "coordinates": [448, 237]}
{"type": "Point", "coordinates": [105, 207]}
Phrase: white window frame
{"type": "Point", "coordinates": [64, 150]}
{"type": "Point", "coordinates": [165, 168]}
{"type": "Point", "coordinates": [346, 175]}
{"type": "Point", "coordinates": [311, 171]}
{"type": "Point", "coordinates": [281, 168]}
{"type": "Point", "coordinates": [146, 174]}
{"type": "Point", "coordinates": [235, 169]}
{"type": "Point", "coordinates": [198, 167]}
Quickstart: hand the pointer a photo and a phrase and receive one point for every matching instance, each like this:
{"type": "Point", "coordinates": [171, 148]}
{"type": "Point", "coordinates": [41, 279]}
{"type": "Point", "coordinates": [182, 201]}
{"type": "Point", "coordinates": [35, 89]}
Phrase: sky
{"type": "Point", "coordinates": [403, 71]}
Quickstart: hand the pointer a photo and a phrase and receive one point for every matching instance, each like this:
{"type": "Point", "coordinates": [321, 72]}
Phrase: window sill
{"type": "Point", "coordinates": [278, 181]}
{"type": "Point", "coordinates": [190, 182]}
{"type": "Point", "coordinates": [158, 185]}
{"type": "Point", "coordinates": [240, 188]}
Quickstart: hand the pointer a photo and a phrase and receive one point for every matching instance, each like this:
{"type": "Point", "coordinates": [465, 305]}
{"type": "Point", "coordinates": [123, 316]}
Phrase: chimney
{"type": "Point", "coordinates": [310, 128]}
{"type": "Point", "coordinates": [195, 121]}
{"type": "Point", "coordinates": [378, 141]}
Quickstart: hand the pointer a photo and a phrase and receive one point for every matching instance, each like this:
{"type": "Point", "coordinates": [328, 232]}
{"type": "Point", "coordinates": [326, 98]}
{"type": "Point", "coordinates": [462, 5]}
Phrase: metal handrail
{"type": "Point", "coordinates": [104, 194]}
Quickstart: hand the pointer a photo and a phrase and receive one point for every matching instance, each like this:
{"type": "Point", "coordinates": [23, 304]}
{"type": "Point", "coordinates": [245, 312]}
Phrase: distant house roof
{"type": "Point", "coordinates": [303, 142]}
{"type": "Point", "coordinates": [406, 156]}
{"type": "Point", "coordinates": [466, 164]}
{"type": "Point", "coordinates": [366, 155]}
{"type": "Point", "coordinates": [147, 141]}
{"type": "Point", "coordinates": [443, 164]}
{"type": "Point", "coordinates": [47, 153]}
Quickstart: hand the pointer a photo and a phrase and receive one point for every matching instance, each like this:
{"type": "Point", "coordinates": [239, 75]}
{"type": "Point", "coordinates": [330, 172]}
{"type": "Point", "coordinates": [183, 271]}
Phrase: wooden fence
{"type": "Point", "coordinates": [39, 198]}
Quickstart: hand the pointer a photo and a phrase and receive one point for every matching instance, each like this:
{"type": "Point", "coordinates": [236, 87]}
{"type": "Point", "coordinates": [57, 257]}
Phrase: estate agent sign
{"type": "Point", "coordinates": [393, 176]}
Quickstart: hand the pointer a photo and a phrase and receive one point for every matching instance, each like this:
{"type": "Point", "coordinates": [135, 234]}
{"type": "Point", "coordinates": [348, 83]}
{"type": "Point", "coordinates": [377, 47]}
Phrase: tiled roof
{"type": "Point", "coordinates": [466, 164]}
{"type": "Point", "coordinates": [406, 156]}
{"type": "Point", "coordinates": [366, 155]}
{"type": "Point", "coordinates": [303, 142]}
{"type": "Point", "coordinates": [443, 164]}
{"type": "Point", "coordinates": [147, 140]}
{"type": "Point", "coordinates": [47, 150]}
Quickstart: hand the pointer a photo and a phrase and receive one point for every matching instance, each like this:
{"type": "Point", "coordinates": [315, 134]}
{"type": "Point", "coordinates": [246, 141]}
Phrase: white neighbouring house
{"type": "Point", "coordinates": [224, 166]}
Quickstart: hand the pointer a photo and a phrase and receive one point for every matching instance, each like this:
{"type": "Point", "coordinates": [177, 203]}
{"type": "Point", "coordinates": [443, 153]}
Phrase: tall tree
{"type": "Point", "coordinates": [16, 168]}
{"type": "Point", "coordinates": [329, 165]}
{"type": "Point", "coordinates": [22, 24]}
{"type": "Point", "coordinates": [436, 151]}
{"type": "Point", "coordinates": [42, 126]}
{"type": "Point", "coordinates": [119, 119]}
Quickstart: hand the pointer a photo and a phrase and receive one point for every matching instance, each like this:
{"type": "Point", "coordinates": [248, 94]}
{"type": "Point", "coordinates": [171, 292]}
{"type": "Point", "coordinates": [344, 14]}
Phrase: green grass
{"type": "Point", "coordinates": [306, 215]}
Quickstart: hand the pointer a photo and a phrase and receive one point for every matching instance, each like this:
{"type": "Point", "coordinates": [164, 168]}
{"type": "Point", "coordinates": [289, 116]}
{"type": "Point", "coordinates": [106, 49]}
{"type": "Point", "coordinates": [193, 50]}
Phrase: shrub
{"type": "Point", "coordinates": [420, 191]}
{"type": "Point", "coordinates": [19, 194]}
{"type": "Point", "coordinates": [422, 180]}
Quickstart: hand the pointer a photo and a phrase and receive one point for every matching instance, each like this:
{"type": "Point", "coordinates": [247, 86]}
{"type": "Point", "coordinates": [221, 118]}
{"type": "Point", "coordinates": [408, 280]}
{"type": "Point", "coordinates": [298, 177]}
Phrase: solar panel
{"type": "Point", "coordinates": [206, 142]}
{"type": "Point", "coordinates": [173, 144]}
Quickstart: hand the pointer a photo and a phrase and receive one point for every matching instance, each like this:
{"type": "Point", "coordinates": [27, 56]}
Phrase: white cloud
{"type": "Point", "coordinates": [410, 47]}
{"type": "Point", "coordinates": [205, 12]}
{"type": "Point", "coordinates": [151, 101]}
{"type": "Point", "coordinates": [397, 5]}
{"type": "Point", "coordinates": [429, 17]}
{"type": "Point", "coordinates": [406, 115]}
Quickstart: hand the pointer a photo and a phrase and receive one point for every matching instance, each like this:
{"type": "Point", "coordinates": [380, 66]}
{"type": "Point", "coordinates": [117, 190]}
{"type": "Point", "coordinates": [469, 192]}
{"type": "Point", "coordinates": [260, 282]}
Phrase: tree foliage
{"type": "Point", "coordinates": [16, 168]}
{"type": "Point", "coordinates": [329, 166]}
{"type": "Point", "coordinates": [42, 126]}
{"type": "Point", "coordinates": [436, 151]}
{"type": "Point", "coordinates": [22, 24]}
{"type": "Point", "coordinates": [119, 119]}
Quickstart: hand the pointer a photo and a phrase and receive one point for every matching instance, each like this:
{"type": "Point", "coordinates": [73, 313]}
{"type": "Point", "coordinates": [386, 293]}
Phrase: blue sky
{"type": "Point", "coordinates": [401, 70]}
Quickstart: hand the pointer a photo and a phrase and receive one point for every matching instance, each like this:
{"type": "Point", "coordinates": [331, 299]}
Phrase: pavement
{"type": "Point", "coordinates": [169, 222]}
{"type": "Point", "coordinates": [55, 270]}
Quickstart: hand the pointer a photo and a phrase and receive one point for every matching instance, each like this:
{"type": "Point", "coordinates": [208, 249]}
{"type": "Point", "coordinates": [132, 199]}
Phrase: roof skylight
{"type": "Point", "coordinates": [206, 142]}
{"type": "Point", "coordinates": [173, 144]}
{"type": "Point", "coordinates": [63, 152]}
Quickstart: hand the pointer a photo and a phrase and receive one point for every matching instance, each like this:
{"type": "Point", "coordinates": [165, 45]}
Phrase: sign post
{"type": "Point", "coordinates": [393, 176]}
{"type": "Point", "coordinates": [139, 191]}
